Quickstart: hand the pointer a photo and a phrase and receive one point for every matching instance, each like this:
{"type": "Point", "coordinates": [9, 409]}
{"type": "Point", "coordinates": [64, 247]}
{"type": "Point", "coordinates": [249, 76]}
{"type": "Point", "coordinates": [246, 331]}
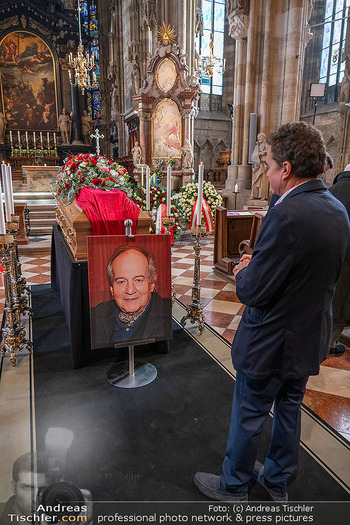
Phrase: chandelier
{"type": "Point", "coordinates": [82, 64]}
{"type": "Point", "coordinates": [207, 65]}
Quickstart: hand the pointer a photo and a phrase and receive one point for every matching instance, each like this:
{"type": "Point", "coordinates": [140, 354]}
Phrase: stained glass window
{"type": "Point", "coordinates": [213, 29]}
{"type": "Point", "coordinates": [333, 43]}
{"type": "Point", "coordinates": [89, 23]}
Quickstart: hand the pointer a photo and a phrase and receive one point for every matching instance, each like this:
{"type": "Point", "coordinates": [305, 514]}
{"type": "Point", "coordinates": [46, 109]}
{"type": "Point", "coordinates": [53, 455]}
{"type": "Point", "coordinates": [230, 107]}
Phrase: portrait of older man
{"type": "Point", "coordinates": [136, 311]}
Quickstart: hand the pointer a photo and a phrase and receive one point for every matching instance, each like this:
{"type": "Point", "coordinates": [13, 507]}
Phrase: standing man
{"type": "Point", "coordinates": [341, 299]}
{"type": "Point", "coordinates": [287, 286]}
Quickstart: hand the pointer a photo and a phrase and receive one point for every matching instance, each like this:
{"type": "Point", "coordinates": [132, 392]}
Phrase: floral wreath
{"type": "Point", "coordinates": [94, 171]}
{"type": "Point", "coordinates": [188, 196]}
{"type": "Point", "coordinates": [157, 197]}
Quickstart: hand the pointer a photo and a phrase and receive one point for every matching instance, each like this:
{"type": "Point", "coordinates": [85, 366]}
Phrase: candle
{"type": "Point", "coordinates": [236, 188]}
{"type": "Point", "coordinates": [148, 174]}
{"type": "Point", "coordinates": [27, 137]}
{"type": "Point", "coordinates": [34, 137]}
{"type": "Point", "coordinates": [11, 136]}
{"type": "Point", "coordinates": [168, 190]}
{"type": "Point", "coordinates": [200, 193]}
{"type": "Point", "coordinates": [48, 139]}
{"type": "Point", "coordinates": [19, 137]}
{"type": "Point", "coordinates": [9, 179]}
{"type": "Point", "coordinates": [54, 138]}
{"type": "Point", "coordinates": [6, 192]}
{"type": "Point", "coordinates": [2, 218]}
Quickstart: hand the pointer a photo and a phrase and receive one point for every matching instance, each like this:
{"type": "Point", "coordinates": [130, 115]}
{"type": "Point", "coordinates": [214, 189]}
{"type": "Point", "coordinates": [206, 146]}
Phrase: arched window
{"type": "Point", "coordinates": [333, 45]}
{"type": "Point", "coordinates": [90, 26]}
{"type": "Point", "coordinates": [213, 29]}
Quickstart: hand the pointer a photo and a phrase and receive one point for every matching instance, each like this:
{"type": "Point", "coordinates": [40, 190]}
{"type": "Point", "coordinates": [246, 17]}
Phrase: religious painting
{"type": "Point", "coordinates": [166, 75]}
{"type": "Point", "coordinates": [129, 289]}
{"type": "Point", "coordinates": [166, 130]}
{"type": "Point", "coordinates": [28, 84]}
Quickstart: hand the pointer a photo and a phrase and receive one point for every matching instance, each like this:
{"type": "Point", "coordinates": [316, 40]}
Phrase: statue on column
{"type": "Point", "coordinates": [136, 78]}
{"type": "Point", "coordinates": [187, 155]}
{"type": "Point", "coordinates": [260, 183]}
{"type": "Point", "coordinates": [3, 123]}
{"type": "Point", "coordinates": [64, 123]}
{"type": "Point", "coordinates": [136, 154]}
{"type": "Point", "coordinates": [86, 127]}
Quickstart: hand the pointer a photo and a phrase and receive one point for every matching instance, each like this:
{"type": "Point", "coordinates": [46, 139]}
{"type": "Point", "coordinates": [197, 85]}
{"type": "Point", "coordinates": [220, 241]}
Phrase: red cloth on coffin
{"type": "Point", "coordinates": [107, 210]}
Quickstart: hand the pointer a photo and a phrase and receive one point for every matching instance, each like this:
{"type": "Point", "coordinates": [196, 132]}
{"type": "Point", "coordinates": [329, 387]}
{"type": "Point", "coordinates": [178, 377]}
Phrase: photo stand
{"type": "Point", "coordinates": [130, 374]}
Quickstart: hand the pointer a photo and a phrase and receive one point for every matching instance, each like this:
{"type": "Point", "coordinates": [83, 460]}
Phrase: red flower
{"type": "Point", "coordinates": [59, 191]}
{"type": "Point", "coordinates": [124, 170]}
{"type": "Point", "coordinates": [83, 179]}
{"type": "Point", "coordinates": [67, 186]}
{"type": "Point", "coordinates": [96, 182]}
{"type": "Point", "coordinates": [73, 167]}
{"type": "Point", "coordinates": [110, 178]}
{"type": "Point", "coordinates": [92, 162]}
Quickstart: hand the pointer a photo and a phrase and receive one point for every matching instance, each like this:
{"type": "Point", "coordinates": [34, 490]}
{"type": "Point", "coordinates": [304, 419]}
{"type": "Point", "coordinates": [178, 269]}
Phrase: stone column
{"type": "Point", "coordinates": [238, 29]}
{"type": "Point", "coordinates": [76, 121]}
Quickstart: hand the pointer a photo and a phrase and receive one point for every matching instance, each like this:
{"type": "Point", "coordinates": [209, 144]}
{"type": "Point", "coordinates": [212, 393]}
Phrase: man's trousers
{"type": "Point", "coordinates": [252, 402]}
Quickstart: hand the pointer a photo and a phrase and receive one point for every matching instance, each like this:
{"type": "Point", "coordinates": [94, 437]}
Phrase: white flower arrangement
{"type": "Point", "coordinates": [188, 196]}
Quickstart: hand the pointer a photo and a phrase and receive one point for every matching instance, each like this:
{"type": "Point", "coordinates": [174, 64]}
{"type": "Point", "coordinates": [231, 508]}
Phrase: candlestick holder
{"type": "Point", "coordinates": [168, 222]}
{"type": "Point", "coordinates": [55, 150]}
{"type": "Point", "coordinates": [11, 148]}
{"type": "Point", "coordinates": [22, 290]}
{"type": "Point", "coordinates": [13, 333]}
{"type": "Point", "coordinates": [235, 193]}
{"type": "Point", "coordinates": [195, 308]}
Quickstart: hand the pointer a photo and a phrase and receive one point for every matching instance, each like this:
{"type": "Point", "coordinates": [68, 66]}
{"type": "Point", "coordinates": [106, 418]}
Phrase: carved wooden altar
{"type": "Point", "coordinates": [166, 109]}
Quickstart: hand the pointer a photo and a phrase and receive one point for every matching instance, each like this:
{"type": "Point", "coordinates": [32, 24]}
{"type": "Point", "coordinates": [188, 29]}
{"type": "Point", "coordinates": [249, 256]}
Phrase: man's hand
{"type": "Point", "coordinates": [244, 261]}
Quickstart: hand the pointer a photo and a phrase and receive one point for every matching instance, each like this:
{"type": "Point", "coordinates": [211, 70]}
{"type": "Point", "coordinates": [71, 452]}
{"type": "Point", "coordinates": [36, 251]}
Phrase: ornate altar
{"type": "Point", "coordinates": [166, 109]}
{"type": "Point", "coordinates": [76, 227]}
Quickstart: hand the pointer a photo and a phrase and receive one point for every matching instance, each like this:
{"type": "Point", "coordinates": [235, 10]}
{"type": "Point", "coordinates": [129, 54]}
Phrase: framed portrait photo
{"type": "Point", "coordinates": [129, 289]}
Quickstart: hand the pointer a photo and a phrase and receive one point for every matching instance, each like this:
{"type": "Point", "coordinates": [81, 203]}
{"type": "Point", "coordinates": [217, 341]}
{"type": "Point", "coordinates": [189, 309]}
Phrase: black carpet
{"type": "Point", "coordinates": [146, 443]}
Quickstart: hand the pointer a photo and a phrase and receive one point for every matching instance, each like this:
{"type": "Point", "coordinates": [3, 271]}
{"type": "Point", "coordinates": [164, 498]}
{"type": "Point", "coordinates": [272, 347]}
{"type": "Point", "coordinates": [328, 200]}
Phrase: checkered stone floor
{"type": "Point", "coordinates": [221, 307]}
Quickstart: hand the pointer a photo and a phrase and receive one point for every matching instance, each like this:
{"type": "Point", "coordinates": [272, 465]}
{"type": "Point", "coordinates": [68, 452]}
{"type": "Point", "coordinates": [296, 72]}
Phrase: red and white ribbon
{"type": "Point", "coordinates": [206, 213]}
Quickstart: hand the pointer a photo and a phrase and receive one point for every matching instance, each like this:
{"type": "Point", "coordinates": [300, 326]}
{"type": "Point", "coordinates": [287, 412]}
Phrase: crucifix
{"type": "Point", "coordinates": [97, 136]}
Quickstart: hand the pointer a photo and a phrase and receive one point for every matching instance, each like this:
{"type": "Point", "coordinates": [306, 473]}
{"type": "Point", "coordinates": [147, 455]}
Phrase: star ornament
{"type": "Point", "coordinates": [166, 34]}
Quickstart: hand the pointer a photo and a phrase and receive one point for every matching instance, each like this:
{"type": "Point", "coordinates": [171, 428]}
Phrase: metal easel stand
{"type": "Point", "coordinates": [129, 374]}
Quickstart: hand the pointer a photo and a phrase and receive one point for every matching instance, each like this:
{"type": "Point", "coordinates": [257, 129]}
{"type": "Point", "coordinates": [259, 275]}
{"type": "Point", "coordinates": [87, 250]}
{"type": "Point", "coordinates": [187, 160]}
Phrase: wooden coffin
{"type": "Point", "coordinates": [76, 227]}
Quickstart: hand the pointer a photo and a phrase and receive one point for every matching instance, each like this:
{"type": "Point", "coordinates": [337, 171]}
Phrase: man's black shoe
{"type": "Point", "coordinates": [337, 350]}
{"type": "Point", "coordinates": [210, 484]}
{"type": "Point", "coordinates": [258, 475]}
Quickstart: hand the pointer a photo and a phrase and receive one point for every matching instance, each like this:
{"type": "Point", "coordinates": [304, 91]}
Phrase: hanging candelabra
{"type": "Point", "coordinates": [82, 64]}
{"type": "Point", "coordinates": [207, 65]}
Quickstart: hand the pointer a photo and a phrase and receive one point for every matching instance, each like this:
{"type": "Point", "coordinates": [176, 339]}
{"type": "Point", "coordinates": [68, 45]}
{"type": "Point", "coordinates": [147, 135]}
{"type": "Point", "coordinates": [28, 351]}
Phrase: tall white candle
{"type": "Point", "coordinates": [168, 190]}
{"type": "Point", "coordinates": [34, 137]}
{"type": "Point", "coordinates": [148, 198]}
{"type": "Point", "coordinates": [48, 139]}
{"type": "Point", "coordinates": [2, 218]}
{"type": "Point", "coordinates": [9, 178]}
{"type": "Point", "coordinates": [54, 138]}
{"type": "Point", "coordinates": [19, 137]}
{"type": "Point", "coordinates": [10, 136]}
{"type": "Point", "coordinates": [6, 192]}
{"type": "Point", "coordinates": [236, 188]}
{"type": "Point", "coordinates": [26, 137]}
{"type": "Point", "coordinates": [200, 193]}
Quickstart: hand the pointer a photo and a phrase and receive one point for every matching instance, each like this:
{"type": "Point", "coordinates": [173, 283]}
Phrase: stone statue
{"type": "Point", "coordinates": [86, 127]}
{"type": "Point", "coordinates": [344, 96]}
{"type": "Point", "coordinates": [260, 184]}
{"type": "Point", "coordinates": [64, 122]}
{"type": "Point", "coordinates": [135, 78]}
{"type": "Point", "coordinates": [3, 122]}
{"type": "Point", "coordinates": [136, 154]}
{"type": "Point", "coordinates": [187, 155]}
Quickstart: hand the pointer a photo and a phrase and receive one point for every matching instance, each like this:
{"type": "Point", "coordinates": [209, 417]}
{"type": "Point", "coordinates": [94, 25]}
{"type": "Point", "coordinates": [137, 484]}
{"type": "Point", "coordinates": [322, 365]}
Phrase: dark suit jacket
{"type": "Point", "coordinates": [341, 299]}
{"type": "Point", "coordinates": [155, 324]}
{"type": "Point", "coordinates": [288, 285]}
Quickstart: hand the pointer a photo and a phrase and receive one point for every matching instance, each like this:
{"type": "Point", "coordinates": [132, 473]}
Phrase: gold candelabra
{"type": "Point", "coordinates": [82, 64]}
{"type": "Point", "coordinates": [207, 65]}
{"type": "Point", "coordinates": [195, 308]}
{"type": "Point", "coordinates": [13, 333]}
{"type": "Point", "coordinates": [168, 222]}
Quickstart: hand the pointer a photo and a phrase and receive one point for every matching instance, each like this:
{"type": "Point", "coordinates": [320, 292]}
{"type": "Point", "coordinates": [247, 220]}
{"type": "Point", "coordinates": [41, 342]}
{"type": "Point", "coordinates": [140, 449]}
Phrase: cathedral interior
{"type": "Point", "coordinates": [160, 85]}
